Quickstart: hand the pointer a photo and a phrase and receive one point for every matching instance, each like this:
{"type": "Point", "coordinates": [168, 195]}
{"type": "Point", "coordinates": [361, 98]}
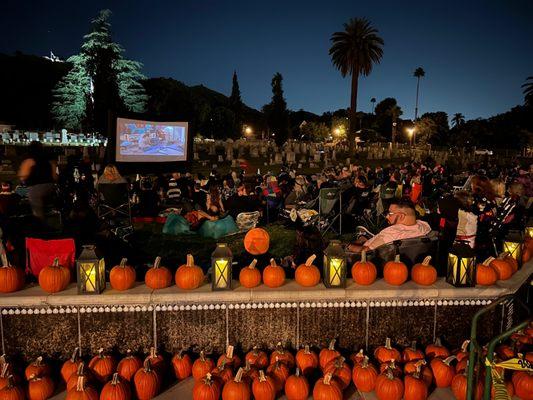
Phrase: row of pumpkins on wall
{"type": "Point", "coordinates": [409, 374]}
{"type": "Point", "coordinates": [55, 278]}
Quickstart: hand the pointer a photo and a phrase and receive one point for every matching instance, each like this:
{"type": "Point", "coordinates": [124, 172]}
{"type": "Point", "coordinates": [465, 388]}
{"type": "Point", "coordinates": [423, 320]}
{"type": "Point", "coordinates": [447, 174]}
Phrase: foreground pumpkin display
{"type": "Point", "coordinates": [364, 272]}
{"type": "Point", "coordinates": [273, 275]}
{"type": "Point", "coordinates": [307, 274]}
{"type": "Point", "coordinates": [189, 276]}
{"type": "Point", "coordinates": [250, 276]}
{"type": "Point", "coordinates": [395, 272]}
{"type": "Point", "coordinates": [158, 277]}
{"type": "Point", "coordinates": [122, 276]}
{"type": "Point", "coordinates": [424, 274]}
{"type": "Point", "coordinates": [256, 241]}
{"type": "Point", "coordinates": [11, 278]}
{"type": "Point", "coordinates": [54, 278]}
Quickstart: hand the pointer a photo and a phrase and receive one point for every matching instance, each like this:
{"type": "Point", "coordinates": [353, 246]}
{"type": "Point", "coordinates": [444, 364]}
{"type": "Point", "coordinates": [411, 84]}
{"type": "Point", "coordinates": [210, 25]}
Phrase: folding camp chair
{"type": "Point", "coordinates": [329, 210]}
{"type": "Point", "coordinates": [41, 253]}
{"type": "Point", "coordinates": [114, 207]}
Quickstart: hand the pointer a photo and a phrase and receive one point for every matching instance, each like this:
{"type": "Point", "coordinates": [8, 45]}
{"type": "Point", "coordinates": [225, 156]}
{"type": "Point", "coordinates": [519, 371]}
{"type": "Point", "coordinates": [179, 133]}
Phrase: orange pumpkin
{"type": "Point", "coordinates": [296, 387]}
{"type": "Point", "coordinates": [256, 241]}
{"type": "Point", "coordinates": [202, 367]}
{"type": "Point", "coordinates": [12, 391]}
{"type": "Point", "coordinates": [358, 358]}
{"type": "Point", "coordinates": [102, 366]}
{"type": "Point", "coordinates": [157, 362]}
{"type": "Point", "coordinates": [389, 387]}
{"type": "Point", "coordinates": [273, 275]}
{"type": "Point", "coordinates": [327, 389]}
{"type": "Point", "coordinates": [189, 276]}
{"type": "Point", "coordinates": [306, 360]}
{"type": "Point", "coordinates": [229, 358]}
{"type": "Point", "coordinates": [414, 387]}
{"type": "Point", "coordinates": [40, 388]}
{"type": "Point", "coordinates": [437, 350]}
{"type": "Point", "coordinates": [443, 372]}
{"type": "Point", "coordinates": [424, 274]}
{"type": "Point", "coordinates": [263, 387]}
{"type": "Point", "coordinates": [307, 274]}
{"type": "Point", "coordinates": [340, 371]}
{"type": "Point", "coordinates": [158, 277]}
{"type": "Point", "coordinates": [70, 366]}
{"type": "Point", "coordinates": [182, 365]}
{"type": "Point", "coordinates": [395, 272]}
{"type": "Point", "coordinates": [223, 373]}
{"type": "Point", "coordinates": [523, 384]}
{"type": "Point", "coordinates": [412, 353]}
{"type": "Point", "coordinates": [504, 270]}
{"type": "Point", "coordinates": [74, 378]}
{"type": "Point", "coordinates": [392, 367]}
{"type": "Point", "coordinates": [486, 275]}
{"type": "Point", "coordinates": [364, 376]}
{"type": "Point", "coordinates": [512, 262]}
{"type": "Point", "coordinates": [279, 372]}
{"type": "Point", "coordinates": [206, 389]}
{"type": "Point", "coordinates": [459, 386]}
{"type": "Point", "coordinates": [54, 278]}
{"type": "Point", "coordinates": [115, 389]}
{"type": "Point", "coordinates": [82, 391]}
{"type": "Point", "coordinates": [37, 368]}
{"type": "Point", "coordinates": [5, 373]}
{"type": "Point", "coordinates": [122, 276]}
{"type": "Point", "coordinates": [423, 370]}
{"type": "Point", "coordinates": [128, 366]}
{"type": "Point", "coordinates": [327, 354]}
{"type": "Point", "coordinates": [236, 389]}
{"type": "Point", "coordinates": [463, 351]}
{"type": "Point", "coordinates": [387, 352]}
{"type": "Point", "coordinates": [282, 355]}
{"type": "Point", "coordinates": [11, 278]}
{"type": "Point", "coordinates": [526, 254]}
{"type": "Point", "coordinates": [257, 358]}
{"type": "Point", "coordinates": [250, 276]}
{"type": "Point", "coordinates": [364, 272]}
{"type": "Point", "coordinates": [146, 382]}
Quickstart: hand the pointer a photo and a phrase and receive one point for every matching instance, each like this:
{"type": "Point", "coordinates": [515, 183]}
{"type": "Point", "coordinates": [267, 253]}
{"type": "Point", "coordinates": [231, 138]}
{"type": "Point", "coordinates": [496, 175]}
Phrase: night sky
{"type": "Point", "coordinates": [476, 54]}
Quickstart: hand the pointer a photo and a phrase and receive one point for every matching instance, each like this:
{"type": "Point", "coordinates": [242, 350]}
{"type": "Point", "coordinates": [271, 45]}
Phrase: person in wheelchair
{"type": "Point", "coordinates": [401, 217]}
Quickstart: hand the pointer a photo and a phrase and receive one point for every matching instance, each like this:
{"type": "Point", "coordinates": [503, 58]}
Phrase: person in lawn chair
{"type": "Point", "coordinates": [401, 216]}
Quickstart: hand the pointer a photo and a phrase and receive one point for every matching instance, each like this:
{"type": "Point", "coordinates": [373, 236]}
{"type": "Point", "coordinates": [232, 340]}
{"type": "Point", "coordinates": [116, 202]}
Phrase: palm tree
{"type": "Point", "coordinates": [458, 120]}
{"type": "Point", "coordinates": [354, 52]}
{"type": "Point", "coordinates": [419, 73]}
{"type": "Point", "coordinates": [528, 91]}
{"type": "Point", "coordinates": [373, 101]}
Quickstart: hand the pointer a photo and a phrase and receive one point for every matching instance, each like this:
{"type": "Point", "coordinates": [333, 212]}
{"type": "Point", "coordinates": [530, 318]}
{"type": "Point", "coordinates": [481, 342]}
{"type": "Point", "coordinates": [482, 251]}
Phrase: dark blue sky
{"type": "Point", "coordinates": [476, 53]}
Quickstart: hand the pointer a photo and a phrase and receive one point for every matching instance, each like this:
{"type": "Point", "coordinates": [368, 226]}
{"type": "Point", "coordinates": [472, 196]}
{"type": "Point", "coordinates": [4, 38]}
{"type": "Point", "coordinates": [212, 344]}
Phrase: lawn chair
{"type": "Point", "coordinates": [114, 208]}
{"type": "Point", "coordinates": [41, 253]}
{"type": "Point", "coordinates": [329, 210]}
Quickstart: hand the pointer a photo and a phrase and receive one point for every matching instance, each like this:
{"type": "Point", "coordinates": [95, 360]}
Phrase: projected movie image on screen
{"type": "Point", "coordinates": [148, 141]}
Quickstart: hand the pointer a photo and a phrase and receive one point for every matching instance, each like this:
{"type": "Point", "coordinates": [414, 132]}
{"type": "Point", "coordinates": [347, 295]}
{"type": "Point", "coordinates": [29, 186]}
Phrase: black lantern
{"type": "Point", "coordinates": [461, 266]}
{"type": "Point", "coordinates": [221, 260]}
{"type": "Point", "coordinates": [334, 268]}
{"type": "Point", "coordinates": [90, 272]}
{"type": "Point", "coordinates": [528, 231]}
{"type": "Point", "coordinates": [513, 246]}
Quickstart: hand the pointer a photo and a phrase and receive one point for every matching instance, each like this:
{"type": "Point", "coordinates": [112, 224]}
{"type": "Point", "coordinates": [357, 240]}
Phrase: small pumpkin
{"type": "Point", "coordinates": [364, 272]}
{"type": "Point", "coordinates": [412, 353]}
{"type": "Point", "coordinates": [486, 275]}
{"type": "Point", "coordinates": [387, 352]}
{"type": "Point", "coordinates": [223, 372]}
{"type": "Point", "coordinates": [202, 366]}
{"type": "Point", "coordinates": [229, 358]}
{"type": "Point", "coordinates": [395, 272]}
{"type": "Point", "coordinates": [424, 371]}
{"type": "Point", "coordinates": [327, 389]}
{"type": "Point", "coordinates": [273, 275]}
{"type": "Point", "coordinates": [526, 254]}
{"type": "Point", "coordinates": [250, 373]}
{"type": "Point", "coordinates": [82, 391]}
{"type": "Point", "coordinates": [157, 362]}
{"type": "Point", "coordinates": [443, 372]}
{"type": "Point", "coordinates": [327, 354]}
{"type": "Point", "coordinates": [40, 387]}
{"type": "Point", "coordinates": [279, 372]}
{"type": "Point", "coordinates": [263, 387]}
{"type": "Point", "coordinates": [146, 382]}
{"type": "Point", "coordinates": [389, 387]}
{"type": "Point", "coordinates": [236, 389]}
{"type": "Point", "coordinates": [257, 358]}
{"type": "Point", "coordinates": [206, 389]}
{"type": "Point", "coordinates": [512, 261]}
{"type": "Point", "coordinates": [122, 276]}
{"type": "Point", "coordinates": [523, 384]}
{"type": "Point", "coordinates": [307, 274]}
{"type": "Point", "coordinates": [463, 351]}
{"type": "Point", "coordinates": [116, 389]}
{"type": "Point", "coordinates": [296, 387]}
{"type": "Point", "coordinates": [414, 387]}
{"type": "Point", "coordinates": [128, 366]}
{"type": "Point", "coordinates": [189, 276]}
{"type": "Point", "coordinates": [74, 378]}
{"type": "Point", "coordinates": [424, 274]}
{"type": "Point", "coordinates": [182, 365]}
{"type": "Point", "coordinates": [54, 278]}
{"type": "Point", "coordinates": [5, 373]}
{"type": "Point", "coordinates": [436, 350]}
{"type": "Point", "coordinates": [503, 269]}
{"type": "Point", "coordinates": [158, 277]}
{"type": "Point", "coordinates": [37, 368]}
{"type": "Point", "coordinates": [306, 360]}
{"type": "Point", "coordinates": [364, 376]}
{"type": "Point", "coordinates": [70, 366]}
{"type": "Point", "coordinates": [282, 355]}
{"type": "Point", "coordinates": [102, 366]}
{"type": "Point", "coordinates": [250, 276]}
{"type": "Point", "coordinates": [392, 367]}
{"type": "Point", "coordinates": [11, 278]}
{"type": "Point", "coordinates": [11, 391]}
{"type": "Point", "coordinates": [340, 371]}
{"type": "Point", "coordinates": [358, 358]}
{"type": "Point", "coordinates": [256, 241]}
{"type": "Point", "coordinates": [459, 387]}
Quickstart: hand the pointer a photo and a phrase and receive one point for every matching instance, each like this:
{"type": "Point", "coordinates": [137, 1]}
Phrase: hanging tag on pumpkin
{"type": "Point", "coordinates": [229, 352]}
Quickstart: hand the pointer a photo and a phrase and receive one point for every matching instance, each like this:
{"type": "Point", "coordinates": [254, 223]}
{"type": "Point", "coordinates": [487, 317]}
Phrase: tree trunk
{"type": "Point", "coordinates": [353, 110]}
{"type": "Point", "coordinates": [416, 103]}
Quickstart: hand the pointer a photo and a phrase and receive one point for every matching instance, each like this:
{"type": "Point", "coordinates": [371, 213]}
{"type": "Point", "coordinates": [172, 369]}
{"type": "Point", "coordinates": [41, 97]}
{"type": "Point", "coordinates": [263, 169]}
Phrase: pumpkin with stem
{"type": "Point", "coordinates": [364, 272]}
{"type": "Point", "coordinates": [423, 273]}
{"type": "Point", "coordinates": [282, 355]}
{"type": "Point", "coordinates": [389, 387]}
{"type": "Point", "coordinates": [189, 276]}
{"type": "Point", "coordinates": [250, 373]}
{"type": "Point", "coordinates": [257, 358]}
{"type": "Point", "coordinates": [459, 386]}
{"type": "Point", "coordinates": [5, 373]}
{"type": "Point", "coordinates": [443, 372]}
{"type": "Point", "coordinates": [512, 261]}
{"type": "Point", "coordinates": [364, 376]}
{"type": "Point", "coordinates": [206, 389]}
{"type": "Point", "coordinates": [70, 366]}
{"type": "Point", "coordinates": [157, 362]}
{"type": "Point", "coordinates": [486, 275]}
{"type": "Point", "coordinates": [419, 365]}
{"type": "Point", "coordinates": [392, 367]}
{"type": "Point", "coordinates": [230, 358]}
{"type": "Point", "coordinates": [306, 360]}
{"type": "Point", "coordinates": [115, 389]}
{"type": "Point", "coordinates": [273, 275]}
{"type": "Point", "coordinates": [128, 366]}
{"type": "Point", "coordinates": [279, 372]}
{"type": "Point", "coordinates": [250, 276]}
{"type": "Point", "coordinates": [236, 389]}
{"type": "Point", "coordinates": [74, 378]}
{"type": "Point", "coordinates": [395, 272]}
{"type": "Point", "coordinates": [54, 278]}
{"type": "Point", "coordinates": [256, 241]}
{"type": "Point", "coordinates": [415, 388]}
{"type": "Point", "coordinates": [412, 353]}
{"type": "Point", "coordinates": [307, 274]}
{"type": "Point", "coordinates": [463, 351]}
{"type": "Point", "coordinates": [263, 387]}
{"type": "Point", "coordinates": [437, 350]}
{"type": "Point", "coordinates": [223, 372]}
{"type": "Point", "coordinates": [182, 365]}
{"type": "Point", "coordinates": [327, 354]}
{"type": "Point", "coordinates": [158, 277]}
{"type": "Point", "coordinates": [40, 387]}
{"type": "Point", "coordinates": [102, 366]}
{"type": "Point", "coordinates": [358, 358]}
{"type": "Point", "coordinates": [523, 384]}
{"type": "Point", "coordinates": [387, 352]}
{"type": "Point", "coordinates": [11, 391]}
{"type": "Point", "coordinates": [122, 276]}
{"type": "Point", "coordinates": [11, 278]}
{"type": "Point", "coordinates": [503, 269]}
{"type": "Point", "coordinates": [340, 371]}
{"type": "Point", "coordinates": [297, 387]}
{"type": "Point", "coordinates": [146, 382]}
{"type": "Point", "coordinates": [327, 389]}
{"type": "Point", "coordinates": [37, 368]}
{"type": "Point", "coordinates": [82, 391]}
{"type": "Point", "coordinates": [202, 366]}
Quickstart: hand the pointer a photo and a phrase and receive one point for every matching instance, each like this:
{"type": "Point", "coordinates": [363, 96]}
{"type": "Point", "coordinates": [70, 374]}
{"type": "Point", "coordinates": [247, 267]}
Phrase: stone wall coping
{"type": "Point", "coordinates": [140, 294]}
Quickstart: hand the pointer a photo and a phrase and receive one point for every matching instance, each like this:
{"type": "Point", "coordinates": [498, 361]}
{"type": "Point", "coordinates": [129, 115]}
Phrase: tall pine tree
{"type": "Point", "coordinates": [102, 78]}
{"type": "Point", "coordinates": [235, 102]}
{"type": "Point", "coordinates": [276, 112]}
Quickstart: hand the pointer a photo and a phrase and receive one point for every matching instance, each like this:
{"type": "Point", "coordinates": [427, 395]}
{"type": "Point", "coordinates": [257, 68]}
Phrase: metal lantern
{"type": "Point", "coordinates": [528, 231]}
{"type": "Point", "coordinates": [334, 265]}
{"type": "Point", "coordinates": [221, 260]}
{"type": "Point", "coordinates": [461, 266]}
{"type": "Point", "coordinates": [512, 244]}
{"type": "Point", "coordinates": [90, 271]}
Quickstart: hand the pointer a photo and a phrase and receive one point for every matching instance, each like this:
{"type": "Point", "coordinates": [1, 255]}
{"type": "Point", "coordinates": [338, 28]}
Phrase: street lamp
{"type": "Point", "coordinates": [411, 132]}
